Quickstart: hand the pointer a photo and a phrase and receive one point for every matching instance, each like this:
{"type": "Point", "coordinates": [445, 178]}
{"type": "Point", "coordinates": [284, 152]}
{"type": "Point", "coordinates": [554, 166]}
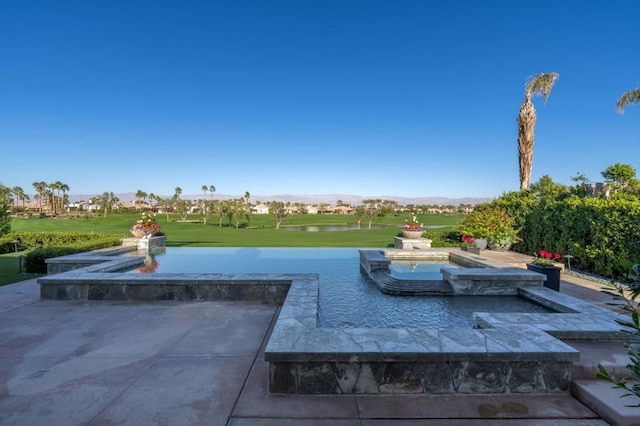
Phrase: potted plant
{"type": "Point", "coordinates": [412, 229]}
{"type": "Point", "coordinates": [146, 226]}
{"type": "Point", "coordinates": [544, 263]}
{"type": "Point", "coordinates": [468, 244]}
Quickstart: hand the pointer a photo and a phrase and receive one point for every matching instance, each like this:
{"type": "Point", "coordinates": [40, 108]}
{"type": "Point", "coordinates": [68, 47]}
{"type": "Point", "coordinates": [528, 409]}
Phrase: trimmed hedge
{"type": "Point", "coordinates": [597, 232]}
{"type": "Point", "coordinates": [40, 246]}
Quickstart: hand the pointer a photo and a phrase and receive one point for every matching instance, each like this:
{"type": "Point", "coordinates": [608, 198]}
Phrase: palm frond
{"type": "Point", "coordinates": [630, 97]}
{"type": "Point", "coordinates": [540, 84]}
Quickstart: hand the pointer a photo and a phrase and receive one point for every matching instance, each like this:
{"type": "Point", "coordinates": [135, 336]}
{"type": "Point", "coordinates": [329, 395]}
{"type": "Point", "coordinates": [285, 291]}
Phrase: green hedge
{"type": "Point", "coordinates": [597, 232]}
{"type": "Point", "coordinates": [39, 246]}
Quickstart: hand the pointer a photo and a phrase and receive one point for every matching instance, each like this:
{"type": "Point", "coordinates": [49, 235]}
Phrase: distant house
{"type": "Point", "coordinates": [260, 209]}
{"type": "Point", "coordinates": [343, 210]}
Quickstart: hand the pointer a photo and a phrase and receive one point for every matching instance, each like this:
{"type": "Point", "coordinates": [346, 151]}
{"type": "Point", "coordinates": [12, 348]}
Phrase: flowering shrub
{"type": "Point", "coordinates": [146, 223]}
{"type": "Point", "coordinates": [413, 224]}
{"type": "Point", "coordinates": [489, 222]}
{"type": "Point", "coordinates": [546, 258]}
{"type": "Point", "coordinates": [467, 242]}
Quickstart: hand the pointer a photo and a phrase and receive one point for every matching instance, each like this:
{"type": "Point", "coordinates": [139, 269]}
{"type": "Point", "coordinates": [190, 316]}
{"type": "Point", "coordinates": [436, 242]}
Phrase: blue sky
{"type": "Point", "coordinates": [371, 98]}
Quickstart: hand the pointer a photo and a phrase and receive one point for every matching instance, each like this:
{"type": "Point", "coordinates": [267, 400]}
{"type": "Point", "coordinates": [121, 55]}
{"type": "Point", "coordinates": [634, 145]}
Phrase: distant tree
{"type": "Point", "coordinates": [5, 217]}
{"type": "Point", "coordinates": [166, 204]}
{"type": "Point", "coordinates": [18, 195]}
{"type": "Point", "coordinates": [140, 197]}
{"type": "Point", "coordinates": [247, 207]}
{"type": "Point", "coordinates": [580, 187]}
{"type": "Point", "coordinates": [359, 212]}
{"type": "Point", "coordinates": [620, 177]}
{"type": "Point", "coordinates": [182, 207]}
{"type": "Point", "coordinates": [107, 202]}
{"type": "Point", "coordinates": [371, 209]}
{"type": "Point", "coordinates": [630, 97]}
{"type": "Point", "coordinates": [279, 211]}
{"type": "Point", "coordinates": [547, 189]}
{"type": "Point", "coordinates": [64, 200]}
{"type": "Point", "coordinates": [39, 187]}
{"type": "Point", "coordinates": [537, 85]}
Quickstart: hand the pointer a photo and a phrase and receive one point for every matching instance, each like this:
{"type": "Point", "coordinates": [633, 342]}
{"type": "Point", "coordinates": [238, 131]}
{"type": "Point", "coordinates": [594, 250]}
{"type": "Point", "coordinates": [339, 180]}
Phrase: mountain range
{"type": "Point", "coordinates": [330, 199]}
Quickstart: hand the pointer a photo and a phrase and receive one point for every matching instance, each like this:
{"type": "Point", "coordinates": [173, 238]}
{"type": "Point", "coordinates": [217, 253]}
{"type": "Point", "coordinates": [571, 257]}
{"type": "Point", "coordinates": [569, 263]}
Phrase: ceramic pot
{"type": "Point", "coordinates": [481, 243]}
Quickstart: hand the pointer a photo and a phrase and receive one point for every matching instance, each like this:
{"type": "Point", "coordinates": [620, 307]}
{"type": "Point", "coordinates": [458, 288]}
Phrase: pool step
{"type": "Point", "coordinates": [391, 285]}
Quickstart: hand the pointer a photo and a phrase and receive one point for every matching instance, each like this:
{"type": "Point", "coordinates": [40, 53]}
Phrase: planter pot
{"type": "Point", "coordinates": [481, 243]}
{"type": "Point", "coordinates": [552, 273]}
{"type": "Point", "coordinates": [140, 233]}
{"type": "Point", "coordinates": [502, 245]}
{"type": "Point", "coordinates": [412, 234]}
{"type": "Point", "coordinates": [472, 250]}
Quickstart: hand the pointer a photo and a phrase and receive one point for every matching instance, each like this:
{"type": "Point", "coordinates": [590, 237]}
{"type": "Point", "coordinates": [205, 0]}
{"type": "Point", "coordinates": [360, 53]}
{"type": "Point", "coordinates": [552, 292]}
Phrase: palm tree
{"type": "Point", "coordinates": [630, 97]}
{"type": "Point", "coordinates": [64, 188]}
{"type": "Point", "coordinates": [40, 188]}
{"type": "Point", "coordinates": [140, 197]}
{"type": "Point", "coordinates": [537, 85]}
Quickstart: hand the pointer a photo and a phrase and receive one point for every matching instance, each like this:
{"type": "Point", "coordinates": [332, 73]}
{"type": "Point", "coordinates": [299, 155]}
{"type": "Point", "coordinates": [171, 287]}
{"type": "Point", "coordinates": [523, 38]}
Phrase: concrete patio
{"type": "Point", "coordinates": [185, 363]}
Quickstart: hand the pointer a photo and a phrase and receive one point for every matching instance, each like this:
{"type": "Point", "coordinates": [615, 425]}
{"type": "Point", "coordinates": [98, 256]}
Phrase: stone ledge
{"type": "Point", "coordinates": [607, 402]}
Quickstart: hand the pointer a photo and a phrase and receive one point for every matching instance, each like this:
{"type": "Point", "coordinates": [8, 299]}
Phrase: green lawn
{"type": "Point", "coordinates": [260, 232]}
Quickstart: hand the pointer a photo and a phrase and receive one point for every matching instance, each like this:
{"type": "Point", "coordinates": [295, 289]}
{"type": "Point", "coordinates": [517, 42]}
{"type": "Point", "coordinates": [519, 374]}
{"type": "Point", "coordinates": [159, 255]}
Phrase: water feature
{"type": "Point", "coordinates": [347, 297]}
{"type": "Point", "coordinates": [504, 352]}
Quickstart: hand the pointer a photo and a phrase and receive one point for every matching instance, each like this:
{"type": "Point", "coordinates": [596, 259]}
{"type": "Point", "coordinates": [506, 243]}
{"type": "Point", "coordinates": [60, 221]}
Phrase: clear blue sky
{"type": "Point", "coordinates": [405, 98]}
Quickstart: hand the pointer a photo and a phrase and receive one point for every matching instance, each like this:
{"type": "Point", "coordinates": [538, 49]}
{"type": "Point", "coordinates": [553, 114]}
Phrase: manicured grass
{"type": "Point", "coordinates": [10, 269]}
{"type": "Point", "coordinates": [260, 232]}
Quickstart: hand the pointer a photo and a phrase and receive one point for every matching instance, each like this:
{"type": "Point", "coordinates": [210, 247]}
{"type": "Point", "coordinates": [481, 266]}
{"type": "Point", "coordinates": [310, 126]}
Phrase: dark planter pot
{"type": "Point", "coordinates": [552, 273]}
{"type": "Point", "coordinates": [472, 250]}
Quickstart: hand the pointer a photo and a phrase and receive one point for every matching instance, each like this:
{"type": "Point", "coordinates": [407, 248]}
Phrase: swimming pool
{"type": "Point", "coordinates": [347, 297]}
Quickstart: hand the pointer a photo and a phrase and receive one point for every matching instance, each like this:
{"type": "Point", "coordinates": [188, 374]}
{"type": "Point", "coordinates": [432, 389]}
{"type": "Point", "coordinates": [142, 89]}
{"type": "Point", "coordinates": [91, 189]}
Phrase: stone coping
{"type": "Point", "coordinates": [104, 280]}
{"type": "Point", "coordinates": [511, 336]}
{"type": "Point", "coordinates": [520, 346]}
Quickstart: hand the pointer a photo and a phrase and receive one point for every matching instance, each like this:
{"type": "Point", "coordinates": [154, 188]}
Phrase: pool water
{"type": "Point", "coordinates": [422, 270]}
{"type": "Point", "coordinates": [347, 298]}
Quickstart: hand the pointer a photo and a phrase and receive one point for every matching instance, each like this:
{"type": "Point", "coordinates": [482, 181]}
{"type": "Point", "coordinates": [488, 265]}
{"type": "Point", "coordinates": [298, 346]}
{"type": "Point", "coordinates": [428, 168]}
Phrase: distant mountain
{"type": "Point", "coordinates": [330, 199]}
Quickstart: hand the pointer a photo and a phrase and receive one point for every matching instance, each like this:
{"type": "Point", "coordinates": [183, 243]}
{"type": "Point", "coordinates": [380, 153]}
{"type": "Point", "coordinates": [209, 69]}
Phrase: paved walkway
{"type": "Point", "coordinates": [181, 363]}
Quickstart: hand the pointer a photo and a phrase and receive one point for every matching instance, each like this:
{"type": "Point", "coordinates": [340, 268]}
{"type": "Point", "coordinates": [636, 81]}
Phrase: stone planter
{"type": "Point", "coordinates": [552, 273]}
{"type": "Point", "coordinates": [139, 233]}
{"type": "Point", "coordinates": [472, 250]}
{"type": "Point", "coordinates": [412, 234]}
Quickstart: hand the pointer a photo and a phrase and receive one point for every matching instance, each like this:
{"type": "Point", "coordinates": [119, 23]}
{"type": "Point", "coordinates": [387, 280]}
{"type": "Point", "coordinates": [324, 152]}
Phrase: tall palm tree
{"type": "Point", "coordinates": [64, 199]}
{"type": "Point", "coordinates": [630, 97]}
{"type": "Point", "coordinates": [40, 188]}
{"type": "Point", "coordinates": [540, 84]}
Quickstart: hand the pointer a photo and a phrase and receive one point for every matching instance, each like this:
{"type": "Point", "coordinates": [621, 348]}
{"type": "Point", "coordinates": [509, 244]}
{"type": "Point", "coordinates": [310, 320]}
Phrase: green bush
{"type": "Point", "coordinates": [39, 246]}
{"type": "Point", "coordinates": [597, 232]}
